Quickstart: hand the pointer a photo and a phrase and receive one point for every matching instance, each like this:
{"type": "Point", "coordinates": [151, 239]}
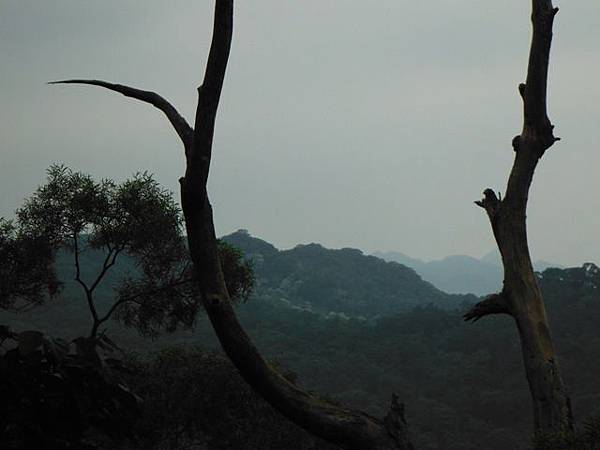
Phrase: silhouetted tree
{"type": "Point", "coordinates": [137, 221]}
{"type": "Point", "coordinates": [27, 276]}
{"type": "Point", "coordinates": [520, 296]}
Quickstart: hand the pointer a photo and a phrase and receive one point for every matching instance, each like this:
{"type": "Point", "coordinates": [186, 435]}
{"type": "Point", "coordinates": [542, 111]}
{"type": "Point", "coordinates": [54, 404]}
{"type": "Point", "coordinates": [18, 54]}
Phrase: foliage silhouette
{"type": "Point", "coordinates": [135, 221]}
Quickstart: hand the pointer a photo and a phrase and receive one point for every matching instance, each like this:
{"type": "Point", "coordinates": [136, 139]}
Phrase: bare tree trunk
{"type": "Point", "coordinates": [349, 428]}
{"type": "Point", "coordinates": [521, 297]}
{"type": "Point", "coordinates": [353, 429]}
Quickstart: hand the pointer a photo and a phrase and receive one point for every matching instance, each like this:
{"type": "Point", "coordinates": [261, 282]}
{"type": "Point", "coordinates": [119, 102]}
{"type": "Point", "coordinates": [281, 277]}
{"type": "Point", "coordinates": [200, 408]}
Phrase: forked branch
{"type": "Point", "coordinates": [490, 202]}
{"type": "Point", "coordinates": [492, 304]}
{"type": "Point", "coordinates": [551, 404]}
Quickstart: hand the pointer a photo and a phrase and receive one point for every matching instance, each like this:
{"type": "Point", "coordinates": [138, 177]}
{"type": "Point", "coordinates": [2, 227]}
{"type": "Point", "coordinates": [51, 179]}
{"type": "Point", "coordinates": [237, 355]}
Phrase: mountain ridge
{"type": "Point", "coordinates": [341, 281]}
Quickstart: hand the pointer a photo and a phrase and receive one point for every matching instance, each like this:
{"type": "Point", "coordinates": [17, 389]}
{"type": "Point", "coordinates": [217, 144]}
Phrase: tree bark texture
{"type": "Point", "coordinates": [343, 426]}
{"type": "Point", "coordinates": [520, 296]}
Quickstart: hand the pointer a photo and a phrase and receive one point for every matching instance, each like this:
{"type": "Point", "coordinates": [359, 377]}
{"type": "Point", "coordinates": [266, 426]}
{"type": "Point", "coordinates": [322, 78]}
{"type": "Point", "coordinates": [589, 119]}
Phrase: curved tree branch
{"type": "Point", "coordinates": [340, 425]}
{"type": "Point", "coordinates": [492, 304]}
{"type": "Point", "coordinates": [181, 126]}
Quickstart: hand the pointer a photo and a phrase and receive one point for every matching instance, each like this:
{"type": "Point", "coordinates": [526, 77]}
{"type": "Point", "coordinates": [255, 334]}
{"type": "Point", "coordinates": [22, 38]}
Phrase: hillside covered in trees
{"type": "Point", "coordinates": [384, 330]}
{"type": "Point", "coordinates": [344, 281]}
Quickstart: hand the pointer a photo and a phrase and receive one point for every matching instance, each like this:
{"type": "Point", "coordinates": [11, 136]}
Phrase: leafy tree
{"type": "Point", "coordinates": [26, 272]}
{"type": "Point", "coordinates": [136, 221]}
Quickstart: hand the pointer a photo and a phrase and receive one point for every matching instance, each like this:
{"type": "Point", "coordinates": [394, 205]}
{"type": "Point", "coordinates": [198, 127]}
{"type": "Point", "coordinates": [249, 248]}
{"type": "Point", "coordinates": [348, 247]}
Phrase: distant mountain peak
{"type": "Point", "coordinates": [249, 244]}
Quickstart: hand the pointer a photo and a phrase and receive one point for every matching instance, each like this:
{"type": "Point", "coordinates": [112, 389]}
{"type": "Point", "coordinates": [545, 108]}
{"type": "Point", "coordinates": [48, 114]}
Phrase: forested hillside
{"type": "Point", "coordinates": [344, 282]}
{"type": "Point", "coordinates": [339, 321]}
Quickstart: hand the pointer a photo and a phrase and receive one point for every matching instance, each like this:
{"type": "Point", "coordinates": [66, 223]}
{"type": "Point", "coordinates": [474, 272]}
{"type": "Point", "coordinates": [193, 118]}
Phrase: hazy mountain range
{"type": "Point", "coordinates": [460, 274]}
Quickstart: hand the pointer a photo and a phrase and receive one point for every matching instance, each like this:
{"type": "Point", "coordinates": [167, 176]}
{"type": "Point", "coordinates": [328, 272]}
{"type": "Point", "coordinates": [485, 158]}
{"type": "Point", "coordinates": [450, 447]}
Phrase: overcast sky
{"type": "Point", "coordinates": [350, 123]}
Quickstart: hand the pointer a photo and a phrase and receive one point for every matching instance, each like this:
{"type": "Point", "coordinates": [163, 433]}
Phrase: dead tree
{"type": "Point", "coordinates": [520, 296]}
{"type": "Point", "coordinates": [349, 428]}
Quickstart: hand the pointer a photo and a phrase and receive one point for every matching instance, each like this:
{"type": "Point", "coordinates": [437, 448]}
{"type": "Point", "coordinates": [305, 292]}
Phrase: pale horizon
{"type": "Point", "coordinates": [343, 123]}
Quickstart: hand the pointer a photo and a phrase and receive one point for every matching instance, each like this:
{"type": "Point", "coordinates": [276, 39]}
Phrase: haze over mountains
{"type": "Point", "coordinates": [460, 274]}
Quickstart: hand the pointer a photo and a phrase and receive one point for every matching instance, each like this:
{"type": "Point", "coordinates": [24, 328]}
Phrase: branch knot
{"type": "Point", "coordinates": [516, 143]}
{"type": "Point", "coordinates": [490, 202]}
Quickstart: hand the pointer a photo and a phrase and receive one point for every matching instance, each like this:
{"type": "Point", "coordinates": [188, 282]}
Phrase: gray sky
{"type": "Point", "coordinates": [350, 123]}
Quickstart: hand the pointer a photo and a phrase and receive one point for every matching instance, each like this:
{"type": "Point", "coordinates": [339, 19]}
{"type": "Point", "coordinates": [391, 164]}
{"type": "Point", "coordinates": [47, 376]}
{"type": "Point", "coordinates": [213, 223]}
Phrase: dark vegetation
{"type": "Point", "coordinates": [62, 395]}
{"type": "Point", "coordinates": [367, 337]}
{"type": "Point", "coordinates": [92, 226]}
{"type": "Point", "coordinates": [194, 397]}
{"type": "Point", "coordinates": [73, 214]}
{"type": "Point", "coordinates": [462, 385]}
{"type": "Point", "coordinates": [26, 273]}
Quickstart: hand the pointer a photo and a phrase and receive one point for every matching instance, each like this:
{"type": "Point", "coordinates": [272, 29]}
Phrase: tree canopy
{"type": "Point", "coordinates": [137, 227]}
{"type": "Point", "coordinates": [26, 274]}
